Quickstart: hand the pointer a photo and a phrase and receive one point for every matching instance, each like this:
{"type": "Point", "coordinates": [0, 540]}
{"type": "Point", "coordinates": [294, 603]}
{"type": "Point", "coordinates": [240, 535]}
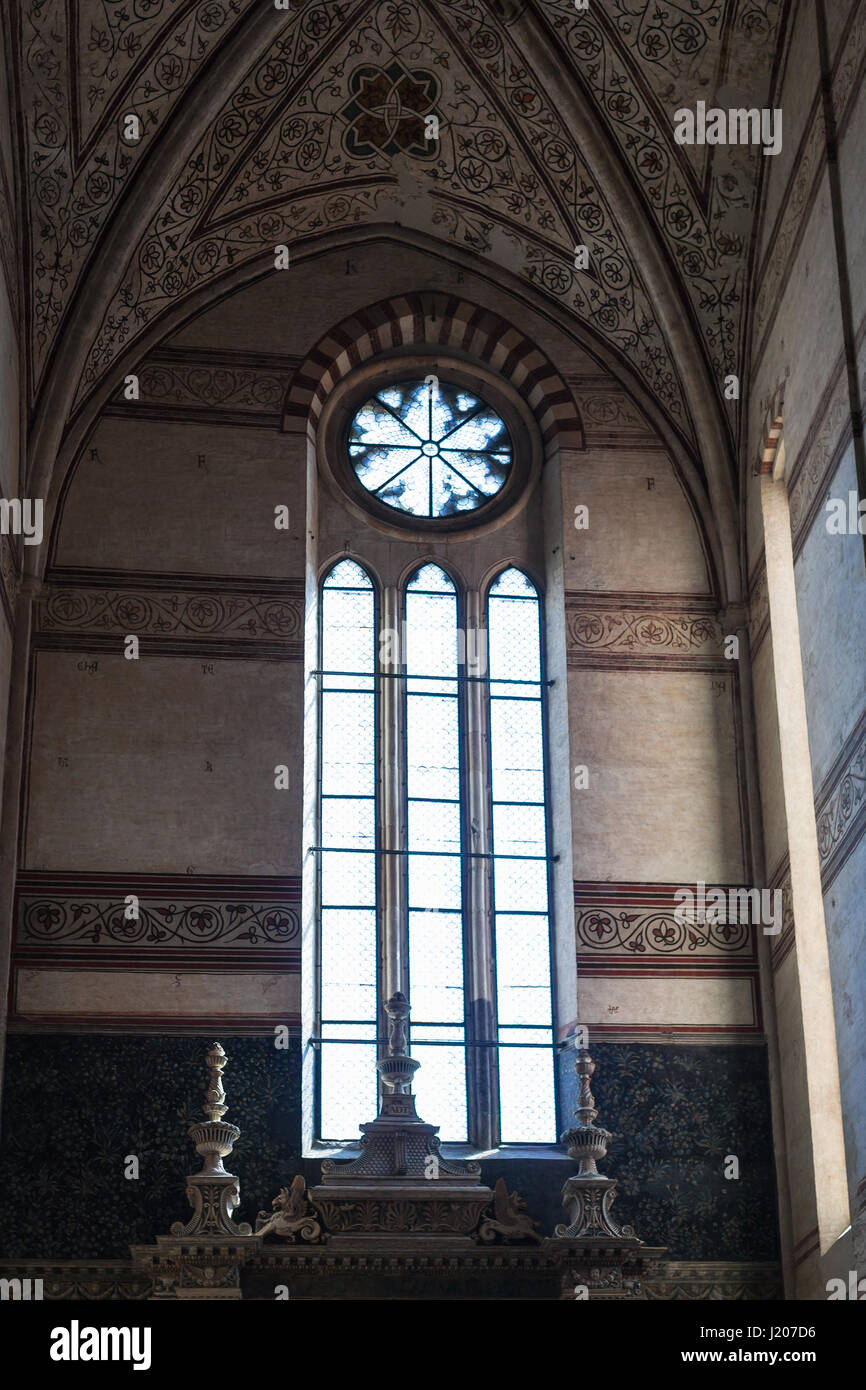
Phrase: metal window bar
{"type": "Point", "coordinates": [366, 686]}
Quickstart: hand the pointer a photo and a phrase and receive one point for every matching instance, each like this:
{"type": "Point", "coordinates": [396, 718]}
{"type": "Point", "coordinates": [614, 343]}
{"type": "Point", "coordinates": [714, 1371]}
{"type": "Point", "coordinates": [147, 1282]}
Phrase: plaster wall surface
{"type": "Point", "coordinates": [769, 764]}
{"type": "Point", "coordinates": [805, 340]}
{"type": "Point", "coordinates": [120, 775]}
{"type": "Point", "coordinates": [831, 602]}
{"type": "Point", "coordinates": [170, 496]}
{"type": "Point", "coordinates": [287, 314]}
{"type": "Point", "coordinates": [846, 929]}
{"type": "Point", "coordinates": [641, 535]}
{"type": "Point", "coordinates": [852, 142]}
{"type": "Point", "coordinates": [798, 98]}
{"type": "Point", "coordinates": [662, 802]}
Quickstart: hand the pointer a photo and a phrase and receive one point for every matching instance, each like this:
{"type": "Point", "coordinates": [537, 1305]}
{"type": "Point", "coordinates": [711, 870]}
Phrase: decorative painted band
{"type": "Point", "coordinates": [193, 384]}
{"type": "Point", "coordinates": [646, 629]}
{"type": "Point", "coordinates": [610, 417]}
{"type": "Point", "coordinates": [172, 912]}
{"type": "Point", "coordinates": [840, 805]}
{"type": "Point", "coordinates": [161, 614]}
{"type": "Point", "coordinates": [637, 921]}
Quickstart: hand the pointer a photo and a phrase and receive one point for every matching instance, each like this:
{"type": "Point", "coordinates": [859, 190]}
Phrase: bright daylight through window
{"type": "Point", "coordinates": [429, 448]}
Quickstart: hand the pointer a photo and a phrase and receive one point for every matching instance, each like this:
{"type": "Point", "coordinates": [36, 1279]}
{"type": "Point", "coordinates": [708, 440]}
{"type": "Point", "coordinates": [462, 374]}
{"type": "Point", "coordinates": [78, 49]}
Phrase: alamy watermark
{"type": "Point", "coordinates": [736, 126]}
{"type": "Point", "coordinates": [26, 1290]}
{"type": "Point", "coordinates": [77, 1343]}
{"type": "Point", "coordinates": [471, 648]}
{"type": "Point", "coordinates": [741, 906]}
{"type": "Point", "coordinates": [22, 516]}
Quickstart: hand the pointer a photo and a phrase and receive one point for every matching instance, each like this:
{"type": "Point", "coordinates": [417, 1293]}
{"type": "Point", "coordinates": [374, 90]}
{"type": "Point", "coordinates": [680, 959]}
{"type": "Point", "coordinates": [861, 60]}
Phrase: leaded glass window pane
{"type": "Point", "coordinates": [520, 864]}
{"type": "Point", "coordinates": [347, 861]}
{"type": "Point", "coordinates": [437, 858]}
{"type": "Point", "coordinates": [434, 861]}
{"type": "Point", "coordinates": [429, 450]}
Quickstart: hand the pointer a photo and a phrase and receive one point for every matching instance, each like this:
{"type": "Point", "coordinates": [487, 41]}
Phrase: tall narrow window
{"type": "Point", "coordinates": [520, 863]}
{"type": "Point", "coordinates": [347, 877]}
{"type": "Point", "coordinates": [434, 861]}
{"type": "Point", "coordinates": [405, 882]}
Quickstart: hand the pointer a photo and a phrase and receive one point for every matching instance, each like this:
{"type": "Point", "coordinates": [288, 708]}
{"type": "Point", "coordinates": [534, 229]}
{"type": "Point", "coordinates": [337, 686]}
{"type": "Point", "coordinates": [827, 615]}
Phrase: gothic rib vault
{"type": "Point", "coordinates": [264, 126]}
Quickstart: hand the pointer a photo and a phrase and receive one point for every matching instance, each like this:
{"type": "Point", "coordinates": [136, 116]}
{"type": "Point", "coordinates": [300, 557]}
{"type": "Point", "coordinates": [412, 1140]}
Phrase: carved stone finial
{"type": "Point", "coordinates": [397, 1068]}
{"type": "Point", "coordinates": [401, 1186]}
{"type": "Point", "coordinates": [589, 1195]}
{"type": "Point", "coordinates": [213, 1193]}
{"type": "Point", "coordinates": [215, 1094]}
{"type": "Point", "coordinates": [587, 1142]}
{"type": "Point", "coordinates": [397, 1009]}
{"type": "Point", "coordinates": [398, 1144]}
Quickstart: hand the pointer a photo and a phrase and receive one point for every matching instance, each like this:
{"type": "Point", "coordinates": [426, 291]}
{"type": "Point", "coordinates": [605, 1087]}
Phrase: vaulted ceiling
{"type": "Point", "coordinates": [262, 127]}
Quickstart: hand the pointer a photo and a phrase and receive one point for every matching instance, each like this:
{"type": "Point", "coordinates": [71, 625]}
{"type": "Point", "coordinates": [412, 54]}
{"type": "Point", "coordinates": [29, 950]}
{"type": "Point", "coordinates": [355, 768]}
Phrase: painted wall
{"type": "Point", "coordinates": [12, 486]}
{"type": "Point", "coordinates": [809, 320]}
{"type": "Point", "coordinates": [676, 1111]}
{"type": "Point", "coordinates": [155, 778]}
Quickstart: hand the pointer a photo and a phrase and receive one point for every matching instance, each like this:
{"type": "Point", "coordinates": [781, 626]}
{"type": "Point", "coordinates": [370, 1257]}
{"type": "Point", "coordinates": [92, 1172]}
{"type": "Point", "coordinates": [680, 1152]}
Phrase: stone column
{"type": "Point", "coordinates": [804, 996]}
{"type": "Point", "coordinates": [478, 907]}
{"type": "Point", "coordinates": [393, 936]}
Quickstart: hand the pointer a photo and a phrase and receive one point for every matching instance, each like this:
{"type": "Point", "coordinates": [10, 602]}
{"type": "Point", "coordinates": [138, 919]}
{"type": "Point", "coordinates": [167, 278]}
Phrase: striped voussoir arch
{"type": "Point", "coordinates": [436, 321]}
{"type": "Point", "coordinates": [772, 430]}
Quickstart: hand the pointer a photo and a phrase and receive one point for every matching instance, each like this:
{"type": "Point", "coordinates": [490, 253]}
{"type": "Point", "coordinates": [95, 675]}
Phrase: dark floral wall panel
{"type": "Point", "coordinates": [75, 1107]}
{"type": "Point", "coordinates": [677, 1112]}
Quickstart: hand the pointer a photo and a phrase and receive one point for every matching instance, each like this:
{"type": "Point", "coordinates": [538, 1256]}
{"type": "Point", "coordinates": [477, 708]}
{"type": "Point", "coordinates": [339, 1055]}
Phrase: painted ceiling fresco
{"type": "Point", "coordinates": [324, 130]}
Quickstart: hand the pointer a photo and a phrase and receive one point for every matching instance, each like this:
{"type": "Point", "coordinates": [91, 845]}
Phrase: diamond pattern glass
{"type": "Point", "coordinates": [520, 864]}
{"type": "Point", "coordinates": [523, 970]}
{"type": "Point", "coordinates": [440, 1085]}
{"type": "Point", "coordinates": [347, 862]}
{"type": "Point", "coordinates": [429, 450]}
{"type": "Point", "coordinates": [436, 858]}
{"type": "Point", "coordinates": [348, 957]}
{"type": "Point", "coordinates": [434, 863]}
{"type": "Point", "coordinates": [348, 1091]}
{"type": "Point", "coordinates": [526, 1094]}
{"type": "Point", "coordinates": [436, 952]}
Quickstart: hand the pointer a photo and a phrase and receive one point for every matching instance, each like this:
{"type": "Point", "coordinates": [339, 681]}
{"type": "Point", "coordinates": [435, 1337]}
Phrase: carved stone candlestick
{"type": "Point", "coordinates": [398, 1144]}
{"type": "Point", "coordinates": [400, 1192]}
{"type": "Point", "coordinates": [589, 1195]}
{"type": "Point", "coordinates": [213, 1193]}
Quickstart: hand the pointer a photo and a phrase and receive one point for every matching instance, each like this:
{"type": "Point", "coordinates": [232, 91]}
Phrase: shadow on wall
{"type": "Point", "coordinates": [676, 1113]}
{"type": "Point", "coordinates": [76, 1107]}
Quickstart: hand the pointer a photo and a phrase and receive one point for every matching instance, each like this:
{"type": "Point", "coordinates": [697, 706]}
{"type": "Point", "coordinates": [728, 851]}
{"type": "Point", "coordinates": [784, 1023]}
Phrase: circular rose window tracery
{"type": "Point", "coordinates": [429, 448]}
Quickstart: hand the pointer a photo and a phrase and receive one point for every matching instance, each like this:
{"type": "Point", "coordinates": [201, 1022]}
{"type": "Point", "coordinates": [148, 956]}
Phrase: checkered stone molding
{"type": "Point", "coordinates": [436, 321]}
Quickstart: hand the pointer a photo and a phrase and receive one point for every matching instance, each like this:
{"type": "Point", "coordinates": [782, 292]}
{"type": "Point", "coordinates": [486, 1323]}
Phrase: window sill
{"type": "Point", "coordinates": [538, 1153]}
{"type": "Point", "coordinates": [509, 1153]}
